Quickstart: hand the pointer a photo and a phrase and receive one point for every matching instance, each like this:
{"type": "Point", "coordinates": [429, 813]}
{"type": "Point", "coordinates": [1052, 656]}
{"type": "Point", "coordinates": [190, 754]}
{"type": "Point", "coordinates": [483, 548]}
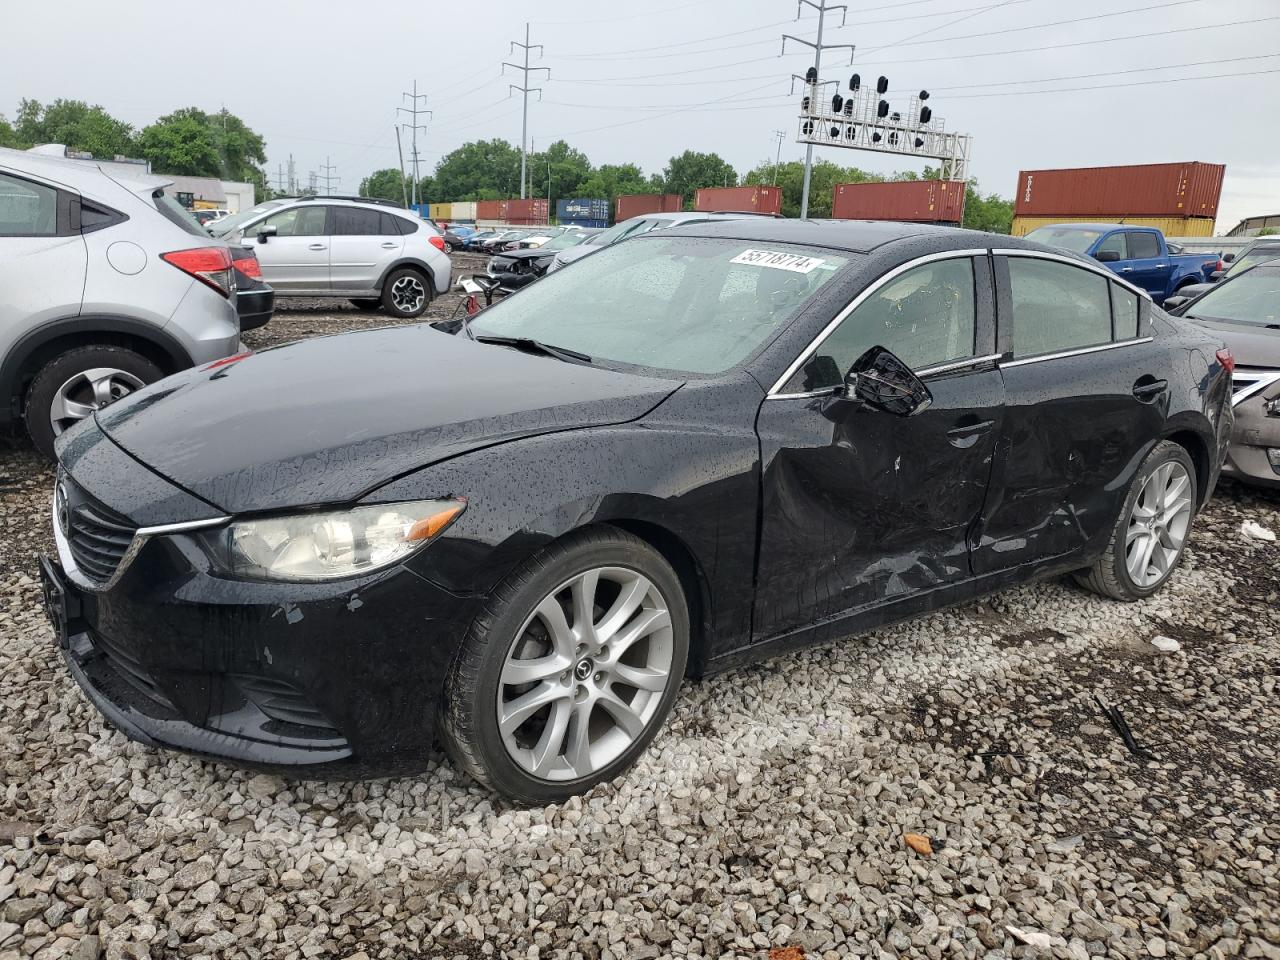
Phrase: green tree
{"type": "Point", "coordinates": [613, 180]}
{"type": "Point", "coordinates": [691, 170]}
{"type": "Point", "coordinates": [75, 123]}
{"type": "Point", "coordinates": [384, 184]}
{"type": "Point", "coordinates": [241, 152]}
{"type": "Point", "coordinates": [559, 171]}
{"type": "Point", "coordinates": [480, 170]}
{"type": "Point", "coordinates": [9, 136]}
{"type": "Point", "coordinates": [192, 142]}
{"type": "Point", "coordinates": [789, 175]}
{"type": "Point", "coordinates": [991, 213]}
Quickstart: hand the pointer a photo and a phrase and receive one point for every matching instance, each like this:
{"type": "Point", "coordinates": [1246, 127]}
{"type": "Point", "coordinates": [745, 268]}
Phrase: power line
{"type": "Point", "coordinates": [968, 15]}
{"type": "Point", "coordinates": [525, 90]}
{"type": "Point", "coordinates": [1109, 73]}
{"type": "Point", "coordinates": [1111, 86]}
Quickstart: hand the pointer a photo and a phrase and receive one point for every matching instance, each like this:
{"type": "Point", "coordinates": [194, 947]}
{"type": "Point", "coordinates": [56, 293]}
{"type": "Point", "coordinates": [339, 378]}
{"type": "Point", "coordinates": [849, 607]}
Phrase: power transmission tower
{"type": "Point", "coordinates": [525, 70]}
{"type": "Point", "coordinates": [414, 127]}
{"type": "Point", "coordinates": [293, 177]}
{"type": "Point", "coordinates": [311, 183]}
{"type": "Point", "coordinates": [280, 181]}
{"type": "Point", "coordinates": [817, 46]}
{"type": "Point", "coordinates": [329, 176]}
{"type": "Point", "coordinates": [778, 135]}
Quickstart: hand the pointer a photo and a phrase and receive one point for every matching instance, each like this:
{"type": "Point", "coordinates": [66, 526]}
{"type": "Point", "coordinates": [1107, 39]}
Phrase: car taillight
{"type": "Point", "coordinates": [209, 265]}
{"type": "Point", "coordinates": [227, 361]}
{"type": "Point", "coordinates": [473, 305]}
{"type": "Point", "coordinates": [249, 266]}
{"type": "Point", "coordinates": [436, 241]}
{"type": "Point", "coordinates": [1227, 360]}
{"type": "Point", "coordinates": [1222, 265]}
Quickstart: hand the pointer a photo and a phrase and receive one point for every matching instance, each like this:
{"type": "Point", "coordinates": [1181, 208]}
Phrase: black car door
{"type": "Point", "coordinates": [861, 506]}
{"type": "Point", "coordinates": [1085, 396]}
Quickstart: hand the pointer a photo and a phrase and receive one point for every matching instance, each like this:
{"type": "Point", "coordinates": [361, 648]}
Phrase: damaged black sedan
{"type": "Point", "coordinates": [693, 450]}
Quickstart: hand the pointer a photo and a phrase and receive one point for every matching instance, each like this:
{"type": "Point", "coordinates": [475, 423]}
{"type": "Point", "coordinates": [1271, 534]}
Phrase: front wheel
{"type": "Point", "coordinates": [448, 247]}
{"type": "Point", "coordinates": [1152, 530]}
{"type": "Point", "coordinates": [570, 671]}
{"type": "Point", "coordinates": [405, 294]}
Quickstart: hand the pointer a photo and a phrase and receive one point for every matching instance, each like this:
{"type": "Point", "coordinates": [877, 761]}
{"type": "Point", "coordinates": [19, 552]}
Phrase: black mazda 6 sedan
{"type": "Point", "coordinates": [696, 448]}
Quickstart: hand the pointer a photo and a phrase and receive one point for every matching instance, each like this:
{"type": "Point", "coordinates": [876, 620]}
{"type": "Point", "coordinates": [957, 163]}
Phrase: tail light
{"type": "Point", "coordinates": [1227, 360]}
{"type": "Point", "coordinates": [1222, 265]}
{"type": "Point", "coordinates": [473, 305]}
{"type": "Point", "coordinates": [209, 265]}
{"type": "Point", "coordinates": [436, 241]}
{"type": "Point", "coordinates": [249, 266]}
{"type": "Point", "coordinates": [227, 361]}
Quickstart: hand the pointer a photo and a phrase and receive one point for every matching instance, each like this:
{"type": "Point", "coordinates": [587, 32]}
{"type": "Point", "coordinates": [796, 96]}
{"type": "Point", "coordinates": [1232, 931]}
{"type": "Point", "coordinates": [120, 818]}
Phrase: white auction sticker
{"type": "Point", "coordinates": [794, 262]}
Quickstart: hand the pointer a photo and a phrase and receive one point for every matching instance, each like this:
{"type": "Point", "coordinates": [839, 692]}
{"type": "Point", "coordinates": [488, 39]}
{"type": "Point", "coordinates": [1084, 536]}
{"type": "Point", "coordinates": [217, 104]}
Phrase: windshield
{"type": "Point", "coordinates": [1069, 238]}
{"type": "Point", "coordinates": [1252, 298]}
{"type": "Point", "coordinates": [1254, 256]}
{"type": "Point", "coordinates": [563, 242]}
{"type": "Point", "coordinates": [686, 304]}
{"type": "Point", "coordinates": [232, 223]}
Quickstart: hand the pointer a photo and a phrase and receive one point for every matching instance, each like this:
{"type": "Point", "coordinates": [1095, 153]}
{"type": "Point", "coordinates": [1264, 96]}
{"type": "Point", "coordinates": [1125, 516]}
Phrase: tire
{"type": "Point", "coordinates": [368, 303]}
{"type": "Point", "coordinates": [115, 372]}
{"type": "Point", "coordinates": [448, 247]}
{"type": "Point", "coordinates": [510, 622]}
{"type": "Point", "coordinates": [1112, 574]}
{"type": "Point", "coordinates": [406, 293]}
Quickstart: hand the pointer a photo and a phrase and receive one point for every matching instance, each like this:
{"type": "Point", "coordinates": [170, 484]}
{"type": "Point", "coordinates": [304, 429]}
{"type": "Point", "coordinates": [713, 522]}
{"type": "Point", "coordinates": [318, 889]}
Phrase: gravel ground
{"type": "Point", "coordinates": [769, 819]}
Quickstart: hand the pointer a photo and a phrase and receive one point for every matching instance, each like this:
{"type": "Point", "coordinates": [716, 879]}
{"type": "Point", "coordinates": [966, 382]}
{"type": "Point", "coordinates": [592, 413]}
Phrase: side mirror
{"type": "Point", "coordinates": [1172, 303]}
{"type": "Point", "coordinates": [1228, 257]}
{"type": "Point", "coordinates": [267, 230]}
{"type": "Point", "coordinates": [881, 380]}
{"type": "Point", "coordinates": [1107, 256]}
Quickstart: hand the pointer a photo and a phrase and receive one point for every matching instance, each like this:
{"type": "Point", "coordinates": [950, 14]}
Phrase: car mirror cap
{"type": "Point", "coordinates": [882, 381]}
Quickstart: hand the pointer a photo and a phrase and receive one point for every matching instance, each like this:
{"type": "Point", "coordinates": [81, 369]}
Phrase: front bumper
{"type": "Point", "coordinates": [337, 680]}
{"type": "Point", "coordinates": [1256, 431]}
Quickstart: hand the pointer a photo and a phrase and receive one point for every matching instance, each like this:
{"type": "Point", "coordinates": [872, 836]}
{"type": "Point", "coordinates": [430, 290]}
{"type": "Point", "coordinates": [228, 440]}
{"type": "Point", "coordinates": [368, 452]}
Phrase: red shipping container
{"type": "Point", "coordinates": [913, 201]}
{"type": "Point", "coordinates": [532, 211]}
{"type": "Point", "coordinates": [739, 199]}
{"type": "Point", "coordinates": [1143, 190]}
{"type": "Point", "coordinates": [489, 209]}
{"type": "Point", "coordinates": [638, 204]}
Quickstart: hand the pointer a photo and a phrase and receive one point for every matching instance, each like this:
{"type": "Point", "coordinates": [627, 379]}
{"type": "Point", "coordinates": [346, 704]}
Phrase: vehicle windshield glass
{"type": "Point", "coordinates": [232, 223]}
{"type": "Point", "coordinates": [562, 242]}
{"type": "Point", "coordinates": [686, 304]}
{"type": "Point", "coordinates": [1252, 298]}
{"type": "Point", "coordinates": [617, 232]}
{"type": "Point", "coordinates": [177, 214]}
{"type": "Point", "coordinates": [1069, 238]}
{"type": "Point", "coordinates": [1259, 254]}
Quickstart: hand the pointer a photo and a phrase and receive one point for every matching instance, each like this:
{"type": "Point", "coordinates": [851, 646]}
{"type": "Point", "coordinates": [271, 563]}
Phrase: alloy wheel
{"type": "Point", "coordinates": [1158, 524]}
{"type": "Point", "coordinates": [87, 391]}
{"type": "Point", "coordinates": [408, 294]}
{"type": "Point", "coordinates": [586, 674]}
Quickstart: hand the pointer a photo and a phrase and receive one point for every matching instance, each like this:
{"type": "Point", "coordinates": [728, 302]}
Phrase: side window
{"type": "Point", "coordinates": [1115, 244]}
{"type": "Point", "coordinates": [1124, 305]}
{"type": "Point", "coordinates": [355, 222]}
{"type": "Point", "coordinates": [393, 226]}
{"type": "Point", "coordinates": [305, 221]}
{"type": "Point", "coordinates": [27, 209]}
{"type": "Point", "coordinates": [1057, 307]}
{"type": "Point", "coordinates": [1143, 246]}
{"type": "Point", "coordinates": [925, 316]}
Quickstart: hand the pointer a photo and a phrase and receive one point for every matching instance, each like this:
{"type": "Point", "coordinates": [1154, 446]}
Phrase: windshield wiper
{"type": "Point", "coordinates": [536, 346]}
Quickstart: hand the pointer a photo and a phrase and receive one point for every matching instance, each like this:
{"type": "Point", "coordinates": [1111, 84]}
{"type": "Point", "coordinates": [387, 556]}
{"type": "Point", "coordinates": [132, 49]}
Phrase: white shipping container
{"type": "Point", "coordinates": [464, 211]}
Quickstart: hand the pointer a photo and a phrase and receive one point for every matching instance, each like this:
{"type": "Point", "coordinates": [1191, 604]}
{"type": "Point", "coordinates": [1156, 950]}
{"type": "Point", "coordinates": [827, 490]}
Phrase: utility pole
{"type": "Point", "coordinates": [525, 70]}
{"type": "Point", "coordinates": [329, 176]}
{"type": "Point", "coordinates": [293, 178]}
{"type": "Point", "coordinates": [414, 127]}
{"type": "Point", "coordinates": [817, 46]}
{"type": "Point", "coordinates": [404, 189]}
{"type": "Point", "coordinates": [280, 181]}
{"type": "Point", "coordinates": [778, 135]}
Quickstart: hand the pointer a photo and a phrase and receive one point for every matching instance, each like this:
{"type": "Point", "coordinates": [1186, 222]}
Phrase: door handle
{"type": "Point", "coordinates": [1147, 389]}
{"type": "Point", "coordinates": [966, 434]}
{"type": "Point", "coordinates": [388, 246]}
{"type": "Point", "coordinates": [316, 246]}
{"type": "Point", "coordinates": [1126, 269]}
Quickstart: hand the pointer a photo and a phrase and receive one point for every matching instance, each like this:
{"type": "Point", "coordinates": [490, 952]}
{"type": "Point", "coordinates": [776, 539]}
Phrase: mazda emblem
{"type": "Point", "coordinates": [61, 510]}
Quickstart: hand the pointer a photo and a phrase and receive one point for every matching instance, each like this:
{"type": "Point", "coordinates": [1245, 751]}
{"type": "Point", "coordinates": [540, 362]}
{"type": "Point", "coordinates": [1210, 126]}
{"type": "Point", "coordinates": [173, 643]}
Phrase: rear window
{"type": "Point", "coordinates": [1068, 238]}
{"type": "Point", "coordinates": [176, 214]}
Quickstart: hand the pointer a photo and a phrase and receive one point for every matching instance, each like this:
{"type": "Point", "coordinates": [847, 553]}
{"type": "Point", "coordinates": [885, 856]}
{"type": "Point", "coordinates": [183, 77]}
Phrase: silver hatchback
{"type": "Point", "coordinates": [371, 252]}
{"type": "Point", "coordinates": [106, 285]}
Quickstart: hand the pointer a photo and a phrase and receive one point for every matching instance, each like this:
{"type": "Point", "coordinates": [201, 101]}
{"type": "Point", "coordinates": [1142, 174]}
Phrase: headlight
{"type": "Point", "coordinates": [330, 546]}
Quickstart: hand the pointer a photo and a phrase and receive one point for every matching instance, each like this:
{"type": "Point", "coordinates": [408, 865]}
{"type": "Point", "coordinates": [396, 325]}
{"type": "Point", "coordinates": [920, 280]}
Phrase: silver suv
{"type": "Point", "coordinates": [106, 285]}
{"type": "Point", "coordinates": [371, 252]}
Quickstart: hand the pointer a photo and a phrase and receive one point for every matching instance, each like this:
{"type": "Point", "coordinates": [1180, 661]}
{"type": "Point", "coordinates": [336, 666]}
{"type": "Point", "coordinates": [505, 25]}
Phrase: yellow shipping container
{"type": "Point", "coordinates": [441, 211]}
{"type": "Point", "coordinates": [1169, 226]}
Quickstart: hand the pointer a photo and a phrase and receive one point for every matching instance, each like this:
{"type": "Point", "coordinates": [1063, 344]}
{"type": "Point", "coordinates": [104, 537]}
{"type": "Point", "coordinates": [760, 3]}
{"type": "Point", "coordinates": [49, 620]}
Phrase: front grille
{"type": "Point", "coordinates": [282, 701]}
{"type": "Point", "coordinates": [1248, 381]}
{"type": "Point", "coordinates": [96, 537]}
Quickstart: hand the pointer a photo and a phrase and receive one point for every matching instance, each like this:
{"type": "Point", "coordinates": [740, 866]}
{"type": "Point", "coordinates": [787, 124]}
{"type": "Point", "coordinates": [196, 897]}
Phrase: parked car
{"type": "Point", "coordinates": [455, 237]}
{"type": "Point", "coordinates": [255, 300]}
{"type": "Point", "coordinates": [693, 450]}
{"type": "Point", "coordinates": [108, 285]}
{"type": "Point", "coordinates": [370, 252]}
{"type": "Point", "coordinates": [1244, 310]}
{"type": "Point", "coordinates": [206, 217]}
{"type": "Point", "coordinates": [1262, 250]}
{"type": "Point", "coordinates": [635, 227]}
{"type": "Point", "coordinates": [1139, 254]}
{"type": "Point", "coordinates": [475, 242]}
{"type": "Point", "coordinates": [517, 268]}
{"type": "Point", "coordinates": [231, 224]}
{"type": "Point", "coordinates": [500, 239]}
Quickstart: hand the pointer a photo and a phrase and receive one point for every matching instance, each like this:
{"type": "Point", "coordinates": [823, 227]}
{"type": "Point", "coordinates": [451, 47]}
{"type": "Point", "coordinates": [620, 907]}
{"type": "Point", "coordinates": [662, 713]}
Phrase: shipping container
{"type": "Point", "coordinates": [914, 201]}
{"type": "Point", "coordinates": [532, 211]}
{"type": "Point", "coordinates": [639, 204]}
{"type": "Point", "coordinates": [442, 212]}
{"type": "Point", "coordinates": [567, 210]}
{"type": "Point", "coordinates": [1144, 190]}
{"type": "Point", "coordinates": [739, 199]}
{"type": "Point", "coordinates": [491, 210]}
{"type": "Point", "coordinates": [463, 212]}
{"type": "Point", "coordinates": [584, 224]}
{"type": "Point", "coordinates": [1169, 226]}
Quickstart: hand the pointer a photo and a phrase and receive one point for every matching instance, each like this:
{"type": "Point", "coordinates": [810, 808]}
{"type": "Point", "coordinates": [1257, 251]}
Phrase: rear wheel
{"type": "Point", "coordinates": [571, 670]}
{"type": "Point", "coordinates": [1152, 530]}
{"type": "Point", "coordinates": [448, 247]}
{"type": "Point", "coordinates": [406, 293]}
{"type": "Point", "coordinates": [73, 385]}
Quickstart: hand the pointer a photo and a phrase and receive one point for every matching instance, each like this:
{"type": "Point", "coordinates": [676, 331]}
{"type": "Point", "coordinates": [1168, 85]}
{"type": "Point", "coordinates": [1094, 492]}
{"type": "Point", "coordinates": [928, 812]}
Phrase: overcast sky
{"type": "Point", "coordinates": [324, 79]}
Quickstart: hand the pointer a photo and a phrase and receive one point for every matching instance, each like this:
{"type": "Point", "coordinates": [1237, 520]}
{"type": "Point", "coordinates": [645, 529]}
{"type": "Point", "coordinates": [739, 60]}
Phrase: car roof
{"type": "Point", "coordinates": [76, 173]}
{"type": "Point", "coordinates": [855, 236]}
{"type": "Point", "coordinates": [1089, 225]}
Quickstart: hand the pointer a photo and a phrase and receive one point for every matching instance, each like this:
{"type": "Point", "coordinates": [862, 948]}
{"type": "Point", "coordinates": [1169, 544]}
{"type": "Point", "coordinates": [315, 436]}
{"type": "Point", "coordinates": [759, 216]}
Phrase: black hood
{"type": "Point", "coordinates": [325, 421]}
{"type": "Point", "coordinates": [1252, 345]}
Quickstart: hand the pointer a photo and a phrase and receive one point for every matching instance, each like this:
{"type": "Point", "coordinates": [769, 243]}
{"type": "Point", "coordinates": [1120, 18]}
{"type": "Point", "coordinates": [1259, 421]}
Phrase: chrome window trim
{"type": "Point", "coordinates": [775, 393]}
{"type": "Point", "coordinates": [958, 365]}
{"type": "Point", "coordinates": [1073, 262]}
{"type": "Point", "coordinates": [1256, 382]}
{"type": "Point", "coordinates": [140, 538]}
{"type": "Point", "coordinates": [1079, 351]}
